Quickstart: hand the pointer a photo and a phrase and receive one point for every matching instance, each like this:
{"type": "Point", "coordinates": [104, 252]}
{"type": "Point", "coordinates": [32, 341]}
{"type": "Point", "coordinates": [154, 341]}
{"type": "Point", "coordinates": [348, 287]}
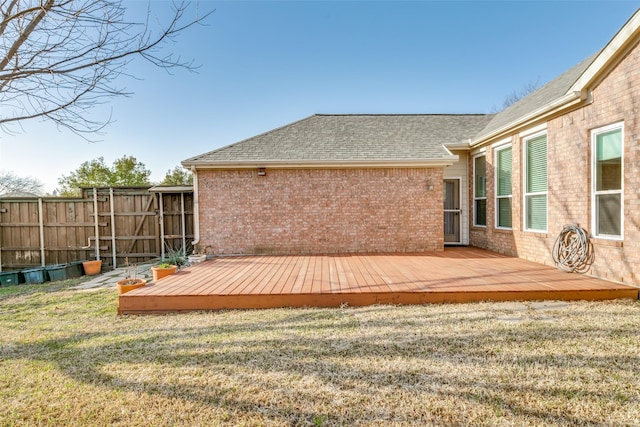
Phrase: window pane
{"type": "Point", "coordinates": [480, 177]}
{"type": "Point", "coordinates": [481, 212]}
{"type": "Point", "coordinates": [504, 172]}
{"type": "Point", "coordinates": [536, 212]}
{"type": "Point", "coordinates": [609, 175]}
{"type": "Point", "coordinates": [537, 165]}
{"type": "Point", "coordinates": [609, 145]}
{"type": "Point", "coordinates": [608, 214]}
{"type": "Point", "coordinates": [609, 160]}
{"type": "Point", "coordinates": [504, 212]}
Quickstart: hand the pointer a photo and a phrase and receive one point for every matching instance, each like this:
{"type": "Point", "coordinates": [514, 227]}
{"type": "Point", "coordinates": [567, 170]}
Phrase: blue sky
{"type": "Point", "coordinates": [264, 64]}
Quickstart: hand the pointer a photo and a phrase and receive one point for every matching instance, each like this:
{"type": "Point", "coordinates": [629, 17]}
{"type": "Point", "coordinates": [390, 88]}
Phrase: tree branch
{"type": "Point", "coordinates": [65, 55]}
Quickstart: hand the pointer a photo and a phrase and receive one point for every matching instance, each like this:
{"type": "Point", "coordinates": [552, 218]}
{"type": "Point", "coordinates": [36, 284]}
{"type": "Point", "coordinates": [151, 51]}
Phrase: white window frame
{"type": "Point", "coordinates": [525, 141]}
{"type": "Point", "coordinates": [496, 150]}
{"type": "Point", "coordinates": [475, 197]}
{"type": "Point", "coordinates": [594, 192]}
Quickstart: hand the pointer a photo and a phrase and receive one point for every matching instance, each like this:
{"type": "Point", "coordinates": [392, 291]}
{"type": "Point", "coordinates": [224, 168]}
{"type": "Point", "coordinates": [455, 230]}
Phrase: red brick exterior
{"type": "Point", "coordinates": [615, 99]}
{"type": "Point", "coordinates": [294, 211]}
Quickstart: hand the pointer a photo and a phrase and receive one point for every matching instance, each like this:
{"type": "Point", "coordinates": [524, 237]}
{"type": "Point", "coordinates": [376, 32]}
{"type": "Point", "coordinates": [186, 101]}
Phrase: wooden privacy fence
{"type": "Point", "coordinates": [105, 223]}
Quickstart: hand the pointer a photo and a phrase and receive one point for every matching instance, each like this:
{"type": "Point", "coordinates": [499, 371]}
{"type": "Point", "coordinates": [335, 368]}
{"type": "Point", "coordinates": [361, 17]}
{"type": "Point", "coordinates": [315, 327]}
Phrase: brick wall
{"type": "Point", "coordinates": [616, 98]}
{"type": "Point", "coordinates": [321, 210]}
{"type": "Point", "coordinates": [490, 237]}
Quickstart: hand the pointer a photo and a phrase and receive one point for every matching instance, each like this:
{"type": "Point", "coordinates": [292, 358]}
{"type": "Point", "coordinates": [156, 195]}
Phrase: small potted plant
{"type": "Point", "coordinates": [163, 270]}
{"type": "Point", "coordinates": [169, 265]}
{"type": "Point", "coordinates": [131, 281]}
{"type": "Point", "coordinates": [198, 255]}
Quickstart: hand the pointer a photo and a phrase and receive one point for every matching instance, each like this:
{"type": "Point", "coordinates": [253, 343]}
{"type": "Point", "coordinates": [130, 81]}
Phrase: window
{"type": "Point", "coordinates": [607, 200]}
{"type": "Point", "coordinates": [479, 191]}
{"type": "Point", "coordinates": [503, 187]}
{"type": "Point", "coordinates": [535, 183]}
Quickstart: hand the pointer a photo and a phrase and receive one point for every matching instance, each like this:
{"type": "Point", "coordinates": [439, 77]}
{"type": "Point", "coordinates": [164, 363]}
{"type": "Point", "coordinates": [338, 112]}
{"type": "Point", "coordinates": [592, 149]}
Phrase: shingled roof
{"type": "Point", "coordinates": [352, 139]}
{"type": "Point", "coordinates": [546, 95]}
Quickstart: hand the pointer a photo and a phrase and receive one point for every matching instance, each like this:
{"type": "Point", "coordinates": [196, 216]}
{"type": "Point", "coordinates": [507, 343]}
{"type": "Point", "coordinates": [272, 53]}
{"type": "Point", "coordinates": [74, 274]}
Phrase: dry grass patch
{"type": "Point", "coordinates": [66, 359]}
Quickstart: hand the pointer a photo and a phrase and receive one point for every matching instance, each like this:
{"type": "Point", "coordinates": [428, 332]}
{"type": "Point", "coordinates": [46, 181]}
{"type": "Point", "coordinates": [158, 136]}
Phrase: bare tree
{"type": "Point", "coordinates": [516, 96]}
{"type": "Point", "coordinates": [60, 58]}
{"type": "Point", "coordinates": [12, 184]}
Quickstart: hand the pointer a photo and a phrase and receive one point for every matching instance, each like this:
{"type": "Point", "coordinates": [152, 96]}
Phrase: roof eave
{"type": "Point", "coordinates": [461, 145]}
{"type": "Point", "coordinates": [171, 189]}
{"type": "Point", "coordinates": [568, 101]}
{"type": "Point", "coordinates": [323, 164]}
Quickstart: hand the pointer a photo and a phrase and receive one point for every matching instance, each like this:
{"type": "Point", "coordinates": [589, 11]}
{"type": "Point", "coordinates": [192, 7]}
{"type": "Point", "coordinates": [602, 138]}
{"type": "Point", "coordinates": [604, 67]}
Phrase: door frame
{"type": "Point", "coordinates": [459, 210]}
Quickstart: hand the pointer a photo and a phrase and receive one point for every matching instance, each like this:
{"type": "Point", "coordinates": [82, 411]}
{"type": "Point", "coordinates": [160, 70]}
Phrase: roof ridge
{"type": "Point", "coordinates": [350, 139]}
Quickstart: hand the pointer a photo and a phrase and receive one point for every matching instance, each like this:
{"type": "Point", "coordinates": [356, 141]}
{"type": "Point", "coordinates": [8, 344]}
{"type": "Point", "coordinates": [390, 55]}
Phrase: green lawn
{"type": "Point", "coordinates": [67, 359]}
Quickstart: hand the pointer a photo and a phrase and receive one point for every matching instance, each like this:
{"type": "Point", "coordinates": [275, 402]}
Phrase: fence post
{"type": "Point", "coordinates": [1, 245]}
{"type": "Point", "coordinates": [96, 226]}
{"type": "Point", "coordinates": [113, 230]}
{"type": "Point", "coordinates": [41, 224]}
{"type": "Point", "coordinates": [183, 225]}
{"type": "Point", "coordinates": [161, 196]}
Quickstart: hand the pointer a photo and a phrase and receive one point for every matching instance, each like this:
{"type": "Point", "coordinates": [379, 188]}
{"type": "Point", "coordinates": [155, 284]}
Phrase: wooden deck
{"type": "Point", "coordinates": [453, 276]}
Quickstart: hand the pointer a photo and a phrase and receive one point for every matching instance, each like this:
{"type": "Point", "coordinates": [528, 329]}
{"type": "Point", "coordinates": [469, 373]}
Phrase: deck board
{"type": "Point", "coordinates": [455, 275]}
{"type": "Point", "coordinates": [292, 272]}
{"type": "Point", "coordinates": [298, 285]}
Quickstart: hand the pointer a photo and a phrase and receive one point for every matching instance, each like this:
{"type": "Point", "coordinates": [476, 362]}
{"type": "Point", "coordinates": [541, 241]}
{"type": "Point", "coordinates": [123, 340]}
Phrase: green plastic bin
{"type": "Point", "coordinates": [74, 269]}
{"type": "Point", "coordinates": [9, 278]}
{"type": "Point", "coordinates": [35, 275]}
{"type": "Point", "coordinates": [57, 272]}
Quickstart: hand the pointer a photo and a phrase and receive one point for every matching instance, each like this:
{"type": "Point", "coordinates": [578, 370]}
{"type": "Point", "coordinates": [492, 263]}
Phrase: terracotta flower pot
{"type": "Point", "coordinates": [127, 285]}
{"type": "Point", "coordinates": [159, 272]}
{"type": "Point", "coordinates": [91, 268]}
